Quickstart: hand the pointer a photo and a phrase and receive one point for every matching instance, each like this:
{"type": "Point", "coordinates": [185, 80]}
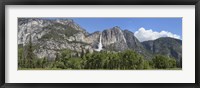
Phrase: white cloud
{"type": "Point", "coordinates": [143, 35]}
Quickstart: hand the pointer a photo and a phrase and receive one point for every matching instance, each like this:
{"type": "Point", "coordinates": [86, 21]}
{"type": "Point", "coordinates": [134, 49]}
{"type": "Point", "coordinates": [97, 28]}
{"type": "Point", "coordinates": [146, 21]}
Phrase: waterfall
{"type": "Point", "coordinates": [99, 45]}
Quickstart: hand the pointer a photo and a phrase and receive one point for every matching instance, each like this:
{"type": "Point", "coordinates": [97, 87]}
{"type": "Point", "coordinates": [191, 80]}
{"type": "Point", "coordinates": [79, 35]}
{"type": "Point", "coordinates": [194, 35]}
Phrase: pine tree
{"type": "Point", "coordinates": [30, 55]}
{"type": "Point", "coordinates": [57, 57]}
{"type": "Point", "coordinates": [82, 51]}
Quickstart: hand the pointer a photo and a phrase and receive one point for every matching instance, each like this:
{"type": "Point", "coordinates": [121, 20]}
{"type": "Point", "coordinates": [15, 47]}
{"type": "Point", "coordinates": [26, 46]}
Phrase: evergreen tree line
{"type": "Point", "coordinates": [125, 60]}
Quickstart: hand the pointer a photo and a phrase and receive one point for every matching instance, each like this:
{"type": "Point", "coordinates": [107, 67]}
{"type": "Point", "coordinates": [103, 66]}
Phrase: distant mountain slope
{"type": "Point", "coordinates": [165, 46]}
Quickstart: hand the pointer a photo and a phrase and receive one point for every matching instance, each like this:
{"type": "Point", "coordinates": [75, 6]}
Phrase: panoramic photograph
{"type": "Point", "coordinates": [99, 43]}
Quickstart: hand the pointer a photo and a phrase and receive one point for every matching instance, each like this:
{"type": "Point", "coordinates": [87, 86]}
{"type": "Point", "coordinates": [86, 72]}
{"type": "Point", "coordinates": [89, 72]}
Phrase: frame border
{"type": "Point", "coordinates": [3, 3]}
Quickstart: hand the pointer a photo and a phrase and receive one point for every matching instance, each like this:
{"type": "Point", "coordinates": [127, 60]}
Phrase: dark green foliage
{"type": "Point", "coordinates": [59, 64]}
{"type": "Point", "coordinates": [30, 55]}
{"type": "Point", "coordinates": [146, 64]}
{"type": "Point", "coordinates": [39, 63]}
{"type": "Point", "coordinates": [26, 57]}
{"type": "Point", "coordinates": [125, 60]}
{"type": "Point", "coordinates": [20, 58]}
{"type": "Point", "coordinates": [74, 63]}
{"type": "Point", "coordinates": [162, 62]}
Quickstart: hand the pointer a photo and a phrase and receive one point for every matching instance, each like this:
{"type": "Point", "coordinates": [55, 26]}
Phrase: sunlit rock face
{"type": "Point", "coordinates": [50, 36]}
{"type": "Point", "coordinates": [113, 39]}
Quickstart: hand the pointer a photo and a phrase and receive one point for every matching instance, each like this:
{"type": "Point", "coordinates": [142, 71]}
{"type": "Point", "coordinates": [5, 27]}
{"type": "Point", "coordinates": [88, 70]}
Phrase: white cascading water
{"type": "Point", "coordinates": [99, 45]}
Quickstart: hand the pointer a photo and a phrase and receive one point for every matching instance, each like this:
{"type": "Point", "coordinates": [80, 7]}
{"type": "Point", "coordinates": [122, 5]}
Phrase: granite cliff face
{"type": "Point", "coordinates": [51, 36]}
{"type": "Point", "coordinates": [113, 39]}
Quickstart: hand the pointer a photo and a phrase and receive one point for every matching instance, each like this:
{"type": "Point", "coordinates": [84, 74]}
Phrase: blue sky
{"type": "Point", "coordinates": [173, 25]}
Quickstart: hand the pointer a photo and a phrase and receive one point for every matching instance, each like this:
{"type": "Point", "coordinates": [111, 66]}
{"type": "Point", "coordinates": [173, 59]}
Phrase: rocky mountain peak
{"type": "Point", "coordinates": [114, 38]}
{"type": "Point", "coordinates": [116, 27]}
